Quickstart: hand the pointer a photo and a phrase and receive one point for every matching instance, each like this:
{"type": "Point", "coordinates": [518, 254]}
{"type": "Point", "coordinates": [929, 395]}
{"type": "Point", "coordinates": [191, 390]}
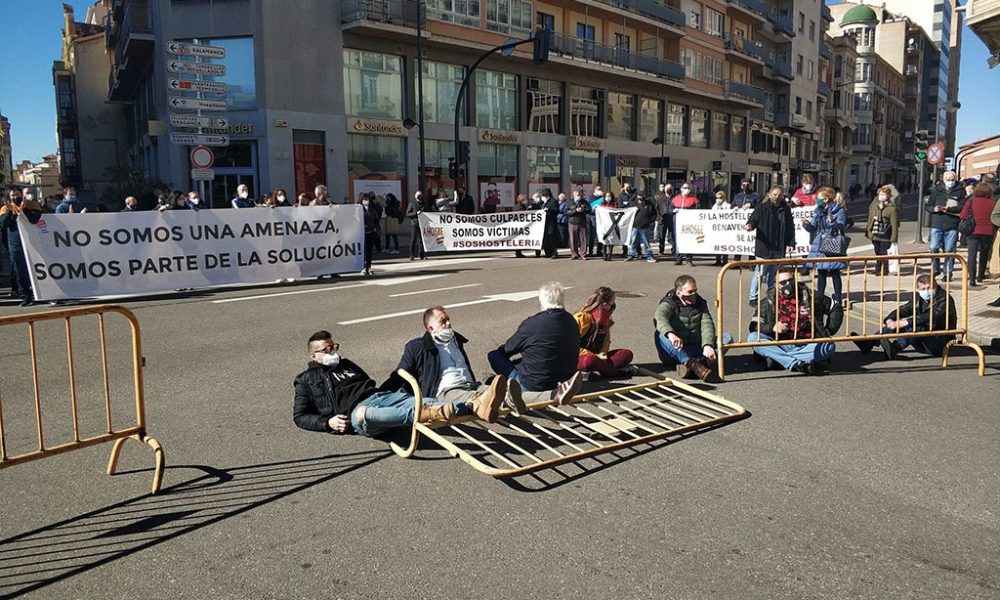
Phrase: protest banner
{"type": "Point", "coordinates": [724, 231]}
{"type": "Point", "coordinates": [87, 255]}
{"type": "Point", "coordinates": [521, 230]}
{"type": "Point", "coordinates": [614, 225]}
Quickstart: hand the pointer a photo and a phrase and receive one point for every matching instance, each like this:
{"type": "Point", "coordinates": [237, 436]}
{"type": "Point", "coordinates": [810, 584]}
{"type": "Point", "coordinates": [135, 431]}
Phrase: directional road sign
{"type": "Point", "coordinates": [193, 139]}
{"type": "Point", "coordinates": [202, 174]}
{"type": "Point", "coordinates": [185, 85]}
{"type": "Point", "coordinates": [196, 104]}
{"type": "Point", "coordinates": [178, 120]}
{"type": "Point", "coordinates": [202, 157]}
{"type": "Point", "coordinates": [192, 68]}
{"type": "Point", "coordinates": [935, 153]}
{"type": "Point", "coordinates": [186, 49]}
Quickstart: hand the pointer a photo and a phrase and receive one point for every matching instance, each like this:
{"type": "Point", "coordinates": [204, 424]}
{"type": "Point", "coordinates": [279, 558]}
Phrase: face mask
{"type": "Point", "coordinates": [925, 294]}
{"type": "Point", "coordinates": [364, 203]}
{"type": "Point", "coordinates": [244, 195]}
{"type": "Point", "coordinates": [689, 299]}
{"type": "Point", "coordinates": [949, 184]}
{"type": "Point", "coordinates": [807, 188]}
{"type": "Point", "coordinates": [195, 201]}
{"type": "Point", "coordinates": [883, 198]}
{"type": "Point", "coordinates": [331, 360]}
{"type": "Point", "coordinates": [29, 197]}
{"type": "Point", "coordinates": [685, 191]}
{"type": "Point", "coordinates": [787, 287]}
{"type": "Point", "coordinates": [444, 335]}
{"type": "Point", "coordinates": [745, 186]}
{"type": "Point", "coordinates": [70, 198]}
{"type": "Point", "coordinates": [819, 201]}
{"type": "Point", "coordinates": [281, 198]}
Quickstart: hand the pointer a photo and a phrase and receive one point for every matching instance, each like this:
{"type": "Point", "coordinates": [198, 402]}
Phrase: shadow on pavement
{"type": "Point", "coordinates": [32, 560]}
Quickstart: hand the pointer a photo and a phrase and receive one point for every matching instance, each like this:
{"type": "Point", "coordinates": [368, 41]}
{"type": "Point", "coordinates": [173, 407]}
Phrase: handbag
{"type": "Point", "coordinates": [967, 225]}
{"type": "Point", "coordinates": [881, 227]}
{"type": "Point", "coordinates": [834, 244]}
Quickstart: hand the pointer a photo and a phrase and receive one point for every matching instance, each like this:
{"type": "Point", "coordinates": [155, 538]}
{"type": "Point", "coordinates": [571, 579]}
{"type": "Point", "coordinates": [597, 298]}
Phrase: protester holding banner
{"type": "Point", "coordinates": [243, 199]}
{"type": "Point", "coordinates": [15, 203]}
{"type": "Point", "coordinates": [828, 224]}
{"type": "Point", "coordinates": [413, 214]}
{"type": "Point", "coordinates": [642, 229]}
{"type": "Point", "coordinates": [805, 195]}
{"type": "Point", "coordinates": [577, 214]}
{"type": "Point", "coordinates": [775, 229]}
{"type": "Point", "coordinates": [721, 204]}
{"type": "Point", "coordinates": [683, 201]}
{"type": "Point", "coordinates": [606, 231]}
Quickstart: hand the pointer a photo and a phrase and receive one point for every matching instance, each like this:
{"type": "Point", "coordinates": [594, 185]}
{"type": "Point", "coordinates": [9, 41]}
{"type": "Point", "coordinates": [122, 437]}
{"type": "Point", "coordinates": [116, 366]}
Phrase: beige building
{"type": "Point", "coordinates": [983, 18]}
{"type": "Point", "coordinates": [90, 130]}
{"type": "Point", "coordinates": [6, 158]}
{"type": "Point", "coordinates": [980, 158]}
{"type": "Point", "coordinates": [43, 176]}
{"type": "Point", "coordinates": [839, 117]}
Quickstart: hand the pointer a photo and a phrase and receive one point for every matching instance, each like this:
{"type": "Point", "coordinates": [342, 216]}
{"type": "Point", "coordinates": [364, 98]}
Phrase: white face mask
{"type": "Point", "coordinates": [807, 188]}
{"type": "Point", "coordinates": [949, 184]}
{"type": "Point", "coordinates": [883, 198]}
{"type": "Point", "coordinates": [29, 197]}
{"type": "Point", "coordinates": [444, 335]}
{"type": "Point", "coordinates": [281, 198]}
{"type": "Point", "coordinates": [364, 203]}
{"type": "Point", "coordinates": [331, 360]}
{"type": "Point", "coordinates": [244, 195]}
{"type": "Point", "coordinates": [685, 191]}
{"type": "Point", "coordinates": [925, 294]}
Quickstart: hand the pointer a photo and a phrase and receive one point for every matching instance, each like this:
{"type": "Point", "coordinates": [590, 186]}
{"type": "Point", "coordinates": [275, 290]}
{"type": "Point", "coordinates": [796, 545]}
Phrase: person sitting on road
{"type": "Point", "coordinates": [334, 395]}
{"type": "Point", "coordinates": [685, 332]}
{"type": "Point", "coordinates": [933, 309]}
{"type": "Point", "coordinates": [548, 343]}
{"type": "Point", "coordinates": [790, 312]}
{"type": "Point", "coordinates": [594, 321]}
{"type": "Point", "coordinates": [438, 361]}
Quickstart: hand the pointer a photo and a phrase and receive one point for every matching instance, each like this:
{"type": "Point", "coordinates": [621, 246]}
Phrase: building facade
{"type": "Point", "coordinates": [983, 18]}
{"type": "Point", "coordinates": [839, 118]}
{"type": "Point", "coordinates": [979, 159]}
{"type": "Point", "coordinates": [6, 158]}
{"type": "Point", "coordinates": [44, 176]}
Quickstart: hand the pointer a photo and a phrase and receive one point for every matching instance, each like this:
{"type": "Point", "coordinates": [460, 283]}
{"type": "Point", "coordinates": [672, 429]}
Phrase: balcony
{"type": "Point", "coordinates": [781, 23]}
{"type": "Point", "coordinates": [911, 71]}
{"type": "Point", "coordinates": [133, 41]}
{"type": "Point", "coordinates": [790, 120]}
{"type": "Point", "coordinates": [824, 50]}
{"type": "Point", "coordinates": [910, 91]}
{"type": "Point", "coordinates": [827, 15]}
{"type": "Point", "coordinates": [745, 47]}
{"type": "Point", "coordinates": [823, 89]}
{"type": "Point", "coordinates": [393, 12]}
{"type": "Point", "coordinates": [652, 9]}
{"type": "Point", "coordinates": [575, 48]}
{"type": "Point", "coordinates": [742, 91]}
{"type": "Point", "coordinates": [782, 70]}
{"type": "Point", "coordinates": [757, 8]}
{"type": "Point", "coordinates": [909, 115]}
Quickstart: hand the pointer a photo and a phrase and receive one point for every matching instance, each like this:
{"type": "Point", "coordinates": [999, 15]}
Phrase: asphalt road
{"type": "Point", "coordinates": [878, 481]}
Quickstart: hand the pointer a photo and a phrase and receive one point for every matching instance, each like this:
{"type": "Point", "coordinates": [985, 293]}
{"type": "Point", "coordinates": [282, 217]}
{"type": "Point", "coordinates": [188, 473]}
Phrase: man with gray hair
{"type": "Point", "coordinates": [944, 205]}
{"type": "Point", "coordinates": [549, 345]}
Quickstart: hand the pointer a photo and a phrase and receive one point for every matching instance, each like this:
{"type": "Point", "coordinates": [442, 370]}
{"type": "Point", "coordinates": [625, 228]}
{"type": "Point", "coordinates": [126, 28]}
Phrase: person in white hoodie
{"type": "Point", "coordinates": [721, 203]}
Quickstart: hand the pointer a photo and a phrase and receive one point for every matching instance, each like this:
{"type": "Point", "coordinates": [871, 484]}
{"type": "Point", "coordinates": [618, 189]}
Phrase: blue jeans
{"type": "Point", "coordinates": [18, 266]}
{"type": "Point", "coordinates": [934, 346]}
{"type": "Point", "coordinates": [502, 365]}
{"type": "Point", "coordinates": [768, 276]}
{"type": "Point", "coordinates": [942, 239]}
{"type": "Point", "coordinates": [640, 240]}
{"type": "Point", "coordinates": [389, 410]}
{"type": "Point", "coordinates": [671, 356]}
{"type": "Point", "coordinates": [791, 354]}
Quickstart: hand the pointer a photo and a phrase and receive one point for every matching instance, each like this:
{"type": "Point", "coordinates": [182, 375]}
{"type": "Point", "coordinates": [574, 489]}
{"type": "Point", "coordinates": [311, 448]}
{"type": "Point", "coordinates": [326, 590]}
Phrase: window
{"type": "Point", "coordinates": [676, 115]}
{"type": "Point", "coordinates": [862, 135]}
{"type": "Point", "coordinates": [544, 165]}
{"type": "Point", "coordinates": [720, 127]}
{"type": "Point", "coordinates": [811, 70]}
{"type": "Point", "coordinates": [546, 21]}
{"type": "Point", "coordinates": [798, 105]}
{"type": "Point", "coordinates": [545, 102]}
{"type": "Point", "coordinates": [650, 112]}
{"type": "Point", "coordinates": [509, 16]}
{"type": "Point", "coordinates": [862, 101]}
{"type": "Point", "coordinates": [798, 65]}
{"type": "Point", "coordinates": [838, 66]}
{"type": "Point", "coordinates": [461, 12]}
{"type": "Point", "coordinates": [693, 11]}
{"type": "Point", "coordinates": [373, 84]}
{"type": "Point", "coordinates": [622, 42]}
{"type": "Point", "coordinates": [738, 135]}
{"type": "Point", "coordinates": [812, 31]}
{"type": "Point", "coordinates": [781, 105]}
{"type": "Point", "coordinates": [375, 157]}
{"type": "Point", "coordinates": [702, 67]}
{"type": "Point", "coordinates": [802, 22]}
{"type": "Point", "coordinates": [714, 22]}
{"type": "Point", "coordinates": [441, 84]}
{"type": "Point", "coordinates": [240, 76]}
{"type": "Point", "coordinates": [699, 126]}
{"type": "Point", "coordinates": [583, 168]}
{"type": "Point", "coordinates": [586, 111]}
{"type": "Point", "coordinates": [621, 119]}
{"type": "Point", "coordinates": [585, 32]}
{"type": "Point", "coordinates": [496, 100]}
{"type": "Point", "coordinates": [809, 109]}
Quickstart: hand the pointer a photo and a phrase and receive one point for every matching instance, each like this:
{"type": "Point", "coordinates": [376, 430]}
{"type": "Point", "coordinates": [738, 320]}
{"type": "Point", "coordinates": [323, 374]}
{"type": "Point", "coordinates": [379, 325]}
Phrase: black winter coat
{"type": "Point", "coordinates": [941, 304]}
{"type": "Point", "coordinates": [549, 344]}
{"type": "Point", "coordinates": [422, 360]}
{"type": "Point", "coordinates": [645, 215]}
{"type": "Point", "coordinates": [775, 229]}
{"type": "Point", "coordinates": [323, 392]}
{"type": "Point", "coordinates": [940, 195]}
{"type": "Point", "coordinates": [827, 315]}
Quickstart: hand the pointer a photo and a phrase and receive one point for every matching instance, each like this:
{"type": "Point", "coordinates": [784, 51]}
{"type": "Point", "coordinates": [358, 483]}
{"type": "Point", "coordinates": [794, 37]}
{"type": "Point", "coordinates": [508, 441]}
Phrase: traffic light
{"type": "Point", "coordinates": [543, 41]}
{"type": "Point", "coordinates": [920, 143]}
{"type": "Point", "coordinates": [463, 153]}
{"type": "Point", "coordinates": [452, 169]}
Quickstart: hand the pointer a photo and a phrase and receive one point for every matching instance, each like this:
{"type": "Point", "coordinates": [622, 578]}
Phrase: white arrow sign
{"type": "Point", "coordinates": [186, 49]}
{"type": "Point", "coordinates": [180, 66]}
{"type": "Point", "coordinates": [511, 297]}
{"type": "Point", "coordinates": [177, 120]}
{"type": "Point", "coordinates": [185, 85]}
{"type": "Point", "coordinates": [196, 104]}
{"type": "Point", "coordinates": [192, 139]}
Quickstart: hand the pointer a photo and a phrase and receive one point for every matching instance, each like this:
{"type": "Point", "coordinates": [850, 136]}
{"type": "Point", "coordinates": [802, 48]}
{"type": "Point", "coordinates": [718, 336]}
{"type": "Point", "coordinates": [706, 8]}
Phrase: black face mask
{"type": "Point", "coordinates": [787, 287]}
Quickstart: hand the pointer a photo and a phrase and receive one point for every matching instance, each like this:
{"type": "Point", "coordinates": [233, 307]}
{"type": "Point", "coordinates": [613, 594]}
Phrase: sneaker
{"type": "Point", "coordinates": [26, 302]}
{"type": "Point", "coordinates": [753, 303]}
{"type": "Point", "coordinates": [487, 404]}
{"type": "Point", "coordinates": [513, 400]}
{"type": "Point", "coordinates": [651, 260]}
{"type": "Point", "coordinates": [890, 348]}
{"type": "Point", "coordinates": [865, 346]}
{"type": "Point", "coordinates": [994, 304]}
{"type": "Point", "coordinates": [566, 390]}
{"type": "Point", "coordinates": [630, 258]}
{"type": "Point", "coordinates": [629, 371]}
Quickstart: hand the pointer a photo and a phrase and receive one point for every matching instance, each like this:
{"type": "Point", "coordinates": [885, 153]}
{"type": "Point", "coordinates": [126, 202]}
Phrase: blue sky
{"type": "Point", "coordinates": [32, 41]}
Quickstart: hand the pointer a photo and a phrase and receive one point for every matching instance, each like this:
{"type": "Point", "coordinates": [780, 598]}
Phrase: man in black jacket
{"type": "Point", "coordinates": [15, 202]}
{"type": "Point", "coordinates": [790, 312]}
{"type": "Point", "coordinates": [642, 229]}
{"type": "Point", "coordinates": [944, 205]}
{"type": "Point", "coordinates": [550, 236]}
{"type": "Point", "coordinates": [438, 361]}
{"type": "Point", "coordinates": [334, 395]}
{"type": "Point", "coordinates": [772, 220]}
{"type": "Point", "coordinates": [549, 345]}
{"type": "Point", "coordinates": [932, 309]}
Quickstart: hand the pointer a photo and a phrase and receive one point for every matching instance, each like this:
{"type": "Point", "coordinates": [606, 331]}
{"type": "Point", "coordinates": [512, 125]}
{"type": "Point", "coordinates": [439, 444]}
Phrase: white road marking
{"type": "Point", "coordinates": [861, 249]}
{"type": "Point", "coordinates": [512, 297]}
{"type": "Point", "coordinates": [420, 264]}
{"type": "Point", "coordinates": [453, 287]}
{"type": "Point", "coordinates": [382, 282]}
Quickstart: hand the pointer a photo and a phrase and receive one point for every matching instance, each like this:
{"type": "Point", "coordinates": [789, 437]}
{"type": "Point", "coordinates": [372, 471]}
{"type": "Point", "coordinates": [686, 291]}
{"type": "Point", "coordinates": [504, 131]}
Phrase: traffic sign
{"type": "Point", "coordinates": [178, 120]}
{"type": "Point", "coordinates": [193, 139]}
{"type": "Point", "coordinates": [202, 174]}
{"type": "Point", "coordinates": [186, 85]}
{"type": "Point", "coordinates": [935, 153]}
{"type": "Point", "coordinates": [186, 49]}
{"type": "Point", "coordinates": [193, 68]}
{"type": "Point", "coordinates": [196, 104]}
{"type": "Point", "coordinates": [202, 157]}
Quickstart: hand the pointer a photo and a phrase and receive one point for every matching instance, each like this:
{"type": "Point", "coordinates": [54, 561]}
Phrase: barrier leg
{"type": "Point", "coordinates": [157, 455]}
{"type": "Point", "coordinates": [414, 434]}
{"type": "Point", "coordinates": [975, 348]}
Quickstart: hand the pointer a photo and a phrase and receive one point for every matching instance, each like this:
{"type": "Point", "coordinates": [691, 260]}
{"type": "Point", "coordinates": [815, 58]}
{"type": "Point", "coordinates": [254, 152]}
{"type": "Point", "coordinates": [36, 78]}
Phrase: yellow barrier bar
{"type": "Point", "coordinates": [137, 432]}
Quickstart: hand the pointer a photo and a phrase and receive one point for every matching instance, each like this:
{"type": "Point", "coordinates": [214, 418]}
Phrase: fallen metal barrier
{"type": "Point", "coordinates": [887, 288]}
{"type": "Point", "coordinates": [110, 432]}
{"type": "Point", "coordinates": [548, 434]}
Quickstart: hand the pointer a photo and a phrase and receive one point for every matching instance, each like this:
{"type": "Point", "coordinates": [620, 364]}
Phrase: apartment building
{"type": "Point", "coordinates": [839, 118]}
{"type": "Point", "coordinates": [42, 176]}
{"type": "Point", "coordinates": [6, 160]}
{"type": "Point", "coordinates": [980, 159]}
{"type": "Point", "coordinates": [983, 18]}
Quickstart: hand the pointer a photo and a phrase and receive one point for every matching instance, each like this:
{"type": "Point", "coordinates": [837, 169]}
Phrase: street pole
{"type": "Point", "coordinates": [422, 170]}
{"type": "Point", "coordinates": [919, 239]}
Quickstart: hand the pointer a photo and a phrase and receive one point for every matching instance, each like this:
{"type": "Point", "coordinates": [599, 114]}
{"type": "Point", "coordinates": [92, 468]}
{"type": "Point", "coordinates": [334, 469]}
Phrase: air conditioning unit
{"type": "Point", "coordinates": [532, 83]}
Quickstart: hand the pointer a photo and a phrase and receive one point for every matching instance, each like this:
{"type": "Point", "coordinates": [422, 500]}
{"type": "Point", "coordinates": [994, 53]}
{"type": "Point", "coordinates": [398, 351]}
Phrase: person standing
{"type": "Point", "coordinates": [883, 226]}
{"type": "Point", "coordinates": [665, 221]}
{"type": "Point", "coordinates": [642, 229]}
{"type": "Point", "coordinates": [550, 237]}
{"type": "Point", "coordinates": [413, 214]}
{"type": "Point", "coordinates": [980, 206]}
{"type": "Point", "coordinates": [577, 215]}
{"type": "Point", "coordinates": [721, 204]}
{"type": "Point", "coordinates": [995, 219]}
{"type": "Point", "coordinates": [321, 196]}
{"type": "Point", "coordinates": [683, 201]}
{"type": "Point", "coordinates": [393, 219]}
{"type": "Point", "coordinates": [371, 216]}
{"type": "Point", "coordinates": [69, 203]}
{"type": "Point", "coordinates": [806, 194]}
{"type": "Point", "coordinates": [16, 202]}
{"type": "Point", "coordinates": [131, 204]}
{"type": "Point", "coordinates": [563, 220]}
{"type": "Point", "coordinates": [944, 206]}
{"type": "Point", "coordinates": [746, 198]}
{"type": "Point", "coordinates": [772, 220]}
{"type": "Point", "coordinates": [243, 199]}
{"type": "Point", "coordinates": [829, 219]}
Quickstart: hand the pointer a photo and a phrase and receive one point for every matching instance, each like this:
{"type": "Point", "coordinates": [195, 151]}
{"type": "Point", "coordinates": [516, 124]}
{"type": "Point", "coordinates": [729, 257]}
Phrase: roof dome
{"type": "Point", "coordinates": [859, 15]}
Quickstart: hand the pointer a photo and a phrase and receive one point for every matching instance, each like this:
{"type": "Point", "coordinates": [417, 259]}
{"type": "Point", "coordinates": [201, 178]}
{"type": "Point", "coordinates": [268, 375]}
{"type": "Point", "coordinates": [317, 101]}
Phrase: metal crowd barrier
{"type": "Point", "coordinates": [110, 432]}
{"type": "Point", "coordinates": [888, 289]}
{"type": "Point", "coordinates": [548, 434]}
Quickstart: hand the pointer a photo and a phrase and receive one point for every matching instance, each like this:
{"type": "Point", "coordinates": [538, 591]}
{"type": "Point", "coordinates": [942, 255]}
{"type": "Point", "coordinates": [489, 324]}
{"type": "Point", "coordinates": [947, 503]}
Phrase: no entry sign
{"type": "Point", "coordinates": [202, 157]}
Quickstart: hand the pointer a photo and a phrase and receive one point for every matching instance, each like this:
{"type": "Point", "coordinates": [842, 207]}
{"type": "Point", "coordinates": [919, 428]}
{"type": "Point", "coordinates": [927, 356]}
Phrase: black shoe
{"type": "Point", "coordinates": [27, 302]}
{"type": "Point", "coordinates": [678, 262]}
{"type": "Point", "coordinates": [809, 369]}
{"type": "Point", "coordinates": [753, 303]}
{"type": "Point", "coordinates": [995, 303]}
{"type": "Point", "coordinates": [890, 348]}
{"type": "Point", "coordinates": [865, 346]}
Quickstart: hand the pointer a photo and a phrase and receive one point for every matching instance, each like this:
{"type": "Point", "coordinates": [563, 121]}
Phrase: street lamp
{"type": "Point", "coordinates": [661, 142]}
{"type": "Point", "coordinates": [422, 171]}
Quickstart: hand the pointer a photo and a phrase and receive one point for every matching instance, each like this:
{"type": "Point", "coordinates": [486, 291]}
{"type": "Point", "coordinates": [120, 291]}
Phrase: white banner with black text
{"type": "Point", "coordinates": [109, 254]}
{"type": "Point", "coordinates": [724, 231]}
{"type": "Point", "coordinates": [520, 230]}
